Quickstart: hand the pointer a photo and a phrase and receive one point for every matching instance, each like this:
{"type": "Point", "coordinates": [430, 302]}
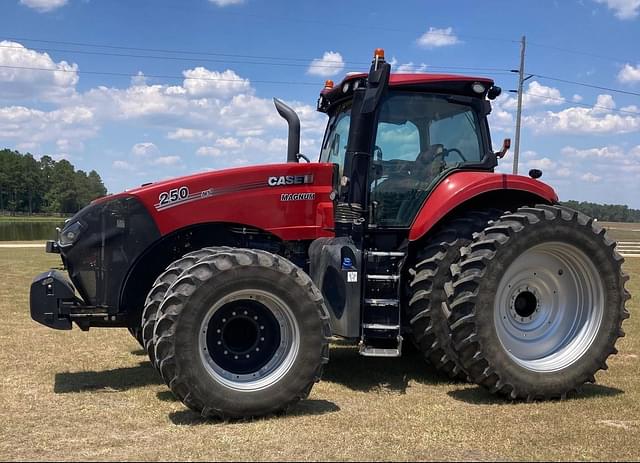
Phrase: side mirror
{"type": "Point", "coordinates": [506, 144]}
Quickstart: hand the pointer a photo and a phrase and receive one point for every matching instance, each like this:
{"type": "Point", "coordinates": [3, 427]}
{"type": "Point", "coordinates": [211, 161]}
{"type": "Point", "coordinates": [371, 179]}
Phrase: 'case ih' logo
{"type": "Point", "coordinates": [290, 180]}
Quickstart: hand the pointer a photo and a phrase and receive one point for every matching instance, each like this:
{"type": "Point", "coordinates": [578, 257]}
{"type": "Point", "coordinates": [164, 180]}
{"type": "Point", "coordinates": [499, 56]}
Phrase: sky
{"type": "Point", "coordinates": [142, 90]}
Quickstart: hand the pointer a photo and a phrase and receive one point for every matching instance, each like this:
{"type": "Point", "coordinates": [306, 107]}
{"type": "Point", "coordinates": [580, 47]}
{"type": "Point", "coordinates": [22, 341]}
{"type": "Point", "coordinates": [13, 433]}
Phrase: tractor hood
{"type": "Point", "coordinates": [288, 200]}
{"type": "Point", "coordinates": [101, 242]}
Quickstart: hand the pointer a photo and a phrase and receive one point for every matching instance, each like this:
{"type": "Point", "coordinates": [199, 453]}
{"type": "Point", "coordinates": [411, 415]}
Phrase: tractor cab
{"type": "Point", "coordinates": [393, 138]}
{"type": "Point", "coordinates": [426, 127]}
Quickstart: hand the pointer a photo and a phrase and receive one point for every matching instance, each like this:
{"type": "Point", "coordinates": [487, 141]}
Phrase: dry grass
{"type": "Point", "coordinates": [93, 396]}
{"type": "Point", "coordinates": [623, 231]}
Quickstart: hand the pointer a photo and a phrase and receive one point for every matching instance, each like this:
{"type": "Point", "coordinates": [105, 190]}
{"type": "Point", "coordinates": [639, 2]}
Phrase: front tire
{"type": "Point", "coordinates": [159, 290]}
{"type": "Point", "coordinates": [242, 333]}
{"type": "Point", "coordinates": [538, 304]}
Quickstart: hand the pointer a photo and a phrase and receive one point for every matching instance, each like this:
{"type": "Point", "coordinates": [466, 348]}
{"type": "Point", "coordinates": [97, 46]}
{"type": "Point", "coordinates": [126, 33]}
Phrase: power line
{"type": "Point", "coordinates": [285, 61]}
{"type": "Point", "coordinates": [178, 58]}
{"type": "Point", "coordinates": [584, 84]}
{"type": "Point", "coordinates": [161, 76]}
{"type": "Point", "coordinates": [165, 50]}
{"type": "Point", "coordinates": [586, 105]}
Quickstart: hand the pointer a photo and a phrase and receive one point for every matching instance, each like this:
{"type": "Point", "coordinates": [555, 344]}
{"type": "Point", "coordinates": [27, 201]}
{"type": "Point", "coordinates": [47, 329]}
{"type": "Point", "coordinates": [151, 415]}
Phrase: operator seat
{"type": "Point", "coordinates": [396, 194]}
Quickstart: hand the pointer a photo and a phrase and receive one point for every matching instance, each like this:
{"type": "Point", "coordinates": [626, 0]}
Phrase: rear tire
{"type": "Point", "coordinates": [159, 290]}
{"type": "Point", "coordinates": [538, 304]}
{"type": "Point", "coordinates": [427, 309]}
{"type": "Point", "coordinates": [242, 333]}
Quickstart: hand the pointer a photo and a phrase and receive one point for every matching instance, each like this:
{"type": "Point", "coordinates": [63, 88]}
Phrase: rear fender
{"type": "Point", "coordinates": [462, 187]}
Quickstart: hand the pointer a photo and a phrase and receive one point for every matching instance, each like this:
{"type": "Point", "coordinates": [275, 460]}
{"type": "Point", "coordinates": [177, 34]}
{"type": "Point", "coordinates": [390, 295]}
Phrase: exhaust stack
{"type": "Point", "coordinates": [293, 145]}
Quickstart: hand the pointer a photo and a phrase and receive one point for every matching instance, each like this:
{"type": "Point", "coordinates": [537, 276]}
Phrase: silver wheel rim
{"type": "Point", "coordinates": [549, 307]}
{"type": "Point", "coordinates": [277, 365]}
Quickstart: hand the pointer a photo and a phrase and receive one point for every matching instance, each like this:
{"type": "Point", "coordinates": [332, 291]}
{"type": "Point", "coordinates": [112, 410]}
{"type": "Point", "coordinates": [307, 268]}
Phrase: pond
{"type": "Point", "coordinates": [29, 230]}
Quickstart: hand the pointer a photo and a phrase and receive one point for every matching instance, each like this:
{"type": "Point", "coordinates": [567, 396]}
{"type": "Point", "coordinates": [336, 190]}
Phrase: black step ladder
{"type": "Point", "coordinates": [381, 323]}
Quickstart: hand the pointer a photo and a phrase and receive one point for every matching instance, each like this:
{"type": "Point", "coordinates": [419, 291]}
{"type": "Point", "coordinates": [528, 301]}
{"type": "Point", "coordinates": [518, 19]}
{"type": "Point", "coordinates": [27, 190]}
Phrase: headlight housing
{"type": "Point", "coordinates": [70, 234]}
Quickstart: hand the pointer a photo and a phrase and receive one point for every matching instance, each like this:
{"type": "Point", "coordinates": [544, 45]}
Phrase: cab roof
{"type": "Point", "coordinates": [397, 79]}
{"type": "Point", "coordinates": [454, 84]}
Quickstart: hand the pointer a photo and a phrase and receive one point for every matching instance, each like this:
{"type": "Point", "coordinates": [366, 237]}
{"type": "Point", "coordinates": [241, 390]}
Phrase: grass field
{"type": "Point", "coordinates": [94, 396]}
{"type": "Point", "coordinates": [623, 231]}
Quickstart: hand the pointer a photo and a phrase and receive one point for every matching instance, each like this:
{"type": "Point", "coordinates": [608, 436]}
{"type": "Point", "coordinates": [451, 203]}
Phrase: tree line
{"type": "Point", "coordinates": [606, 212]}
{"type": "Point", "coordinates": [29, 185]}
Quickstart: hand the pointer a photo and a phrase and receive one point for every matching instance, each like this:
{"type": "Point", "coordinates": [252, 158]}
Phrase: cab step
{"type": "Point", "coordinates": [381, 351]}
{"type": "Point", "coordinates": [381, 302]}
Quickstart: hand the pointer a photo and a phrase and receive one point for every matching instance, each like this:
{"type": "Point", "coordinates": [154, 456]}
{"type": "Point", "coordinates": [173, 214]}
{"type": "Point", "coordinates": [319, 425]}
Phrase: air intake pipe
{"type": "Point", "coordinates": [293, 146]}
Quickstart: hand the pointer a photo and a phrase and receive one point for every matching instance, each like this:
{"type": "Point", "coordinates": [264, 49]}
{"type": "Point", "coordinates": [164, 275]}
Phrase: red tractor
{"type": "Point", "coordinates": [235, 280]}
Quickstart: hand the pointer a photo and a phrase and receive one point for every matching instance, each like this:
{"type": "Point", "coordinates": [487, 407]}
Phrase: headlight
{"type": "Point", "coordinates": [70, 234]}
{"type": "Point", "coordinates": [478, 87]}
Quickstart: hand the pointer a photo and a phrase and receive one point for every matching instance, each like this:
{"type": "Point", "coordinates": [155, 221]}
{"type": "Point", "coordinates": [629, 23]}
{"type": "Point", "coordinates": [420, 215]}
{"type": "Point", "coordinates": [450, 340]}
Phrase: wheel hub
{"type": "Point", "coordinates": [549, 306]}
{"type": "Point", "coordinates": [240, 334]}
{"type": "Point", "coordinates": [248, 337]}
{"type": "Point", "coordinates": [525, 304]}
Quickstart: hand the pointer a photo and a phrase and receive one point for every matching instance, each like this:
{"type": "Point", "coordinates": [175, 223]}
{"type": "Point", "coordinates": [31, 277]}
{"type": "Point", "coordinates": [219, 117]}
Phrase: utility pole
{"type": "Point", "coordinates": [521, 79]}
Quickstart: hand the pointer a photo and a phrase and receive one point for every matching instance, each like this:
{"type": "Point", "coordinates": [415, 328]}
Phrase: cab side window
{"type": "Point", "coordinates": [335, 145]}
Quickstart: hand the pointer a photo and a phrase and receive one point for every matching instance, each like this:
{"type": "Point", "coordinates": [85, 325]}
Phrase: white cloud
{"type": "Point", "coordinates": [65, 145]}
{"type": "Point", "coordinates": [605, 152]}
{"type": "Point", "coordinates": [591, 178]}
{"type": "Point", "coordinates": [578, 120]}
{"type": "Point", "coordinates": [166, 161]}
{"type": "Point", "coordinates": [193, 135]}
{"type": "Point", "coordinates": [604, 103]}
{"type": "Point", "coordinates": [409, 68]}
{"type": "Point", "coordinates": [623, 9]}
{"type": "Point", "coordinates": [212, 151]}
{"type": "Point", "coordinates": [136, 102]}
{"type": "Point", "coordinates": [201, 82]}
{"type": "Point", "coordinates": [543, 163]}
{"type": "Point", "coordinates": [36, 126]}
{"type": "Point", "coordinates": [217, 109]}
{"type": "Point", "coordinates": [535, 95]}
{"type": "Point", "coordinates": [629, 74]}
{"type": "Point", "coordinates": [435, 37]}
{"type": "Point", "coordinates": [576, 98]}
{"type": "Point", "coordinates": [144, 149]}
{"type": "Point", "coordinates": [329, 65]}
{"type": "Point", "coordinates": [18, 83]}
{"type": "Point", "coordinates": [222, 3]}
{"type": "Point", "coordinates": [43, 6]}
{"type": "Point", "coordinates": [147, 154]}
{"type": "Point", "coordinates": [500, 119]}
{"type": "Point", "coordinates": [229, 143]}
{"type": "Point", "coordinates": [138, 79]}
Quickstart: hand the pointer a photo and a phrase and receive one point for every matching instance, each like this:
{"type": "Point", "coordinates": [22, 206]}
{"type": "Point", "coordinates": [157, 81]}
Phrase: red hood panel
{"type": "Point", "coordinates": [290, 200]}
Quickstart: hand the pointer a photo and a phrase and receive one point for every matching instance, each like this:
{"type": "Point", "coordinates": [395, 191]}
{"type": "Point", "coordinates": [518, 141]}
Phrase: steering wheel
{"type": "Point", "coordinates": [446, 153]}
